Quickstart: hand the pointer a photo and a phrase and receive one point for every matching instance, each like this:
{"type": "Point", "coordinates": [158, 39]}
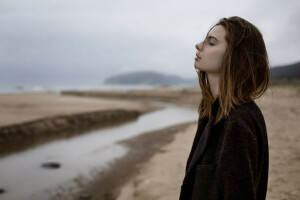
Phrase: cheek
{"type": "Point", "coordinates": [216, 58]}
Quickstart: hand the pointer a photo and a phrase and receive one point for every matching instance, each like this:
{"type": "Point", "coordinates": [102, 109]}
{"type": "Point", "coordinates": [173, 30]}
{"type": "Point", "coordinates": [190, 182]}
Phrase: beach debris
{"type": "Point", "coordinates": [2, 191]}
{"type": "Point", "coordinates": [51, 165]}
{"type": "Point", "coordinates": [85, 196]}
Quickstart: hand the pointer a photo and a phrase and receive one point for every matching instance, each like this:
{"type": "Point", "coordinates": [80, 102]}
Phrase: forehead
{"type": "Point", "coordinates": [218, 32]}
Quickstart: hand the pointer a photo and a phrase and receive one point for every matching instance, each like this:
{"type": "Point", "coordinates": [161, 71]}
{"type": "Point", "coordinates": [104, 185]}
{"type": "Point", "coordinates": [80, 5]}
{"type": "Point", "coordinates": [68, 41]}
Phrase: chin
{"type": "Point", "coordinates": [199, 67]}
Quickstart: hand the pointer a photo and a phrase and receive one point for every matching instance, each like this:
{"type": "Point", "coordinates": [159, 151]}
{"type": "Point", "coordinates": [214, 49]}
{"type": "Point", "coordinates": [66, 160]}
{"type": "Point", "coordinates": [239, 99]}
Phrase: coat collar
{"type": "Point", "coordinates": [215, 107]}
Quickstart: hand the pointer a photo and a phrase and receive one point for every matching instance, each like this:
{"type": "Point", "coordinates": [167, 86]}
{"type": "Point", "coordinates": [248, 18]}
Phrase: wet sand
{"type": "Point", "coordinates": [25, 107]}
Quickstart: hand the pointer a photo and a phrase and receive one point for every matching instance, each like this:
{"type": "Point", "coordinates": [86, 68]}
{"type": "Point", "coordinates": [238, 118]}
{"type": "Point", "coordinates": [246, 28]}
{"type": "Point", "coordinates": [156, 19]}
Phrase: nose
{"type": "Point", "coordinates": [199, 46]}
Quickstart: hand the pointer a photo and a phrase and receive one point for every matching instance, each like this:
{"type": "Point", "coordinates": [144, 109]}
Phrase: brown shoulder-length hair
{"type": "Point", "coordinates": [244, 74]}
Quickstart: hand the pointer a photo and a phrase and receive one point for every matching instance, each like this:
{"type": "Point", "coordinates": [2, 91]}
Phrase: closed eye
{"type": "Point", "coordinates": [208, 42]}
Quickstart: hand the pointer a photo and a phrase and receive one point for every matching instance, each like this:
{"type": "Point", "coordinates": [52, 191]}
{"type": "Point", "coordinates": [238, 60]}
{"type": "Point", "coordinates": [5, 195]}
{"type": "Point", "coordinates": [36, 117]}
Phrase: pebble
{"type": "Point", "coordinates": [51, 165]}
{"type": "Point", "coordinates": [2, 191]}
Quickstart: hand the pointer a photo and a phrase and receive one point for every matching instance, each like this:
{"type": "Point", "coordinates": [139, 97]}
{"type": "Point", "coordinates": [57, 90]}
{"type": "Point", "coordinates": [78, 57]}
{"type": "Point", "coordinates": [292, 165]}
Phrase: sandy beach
{"type": "Point", "coordinates": [154, 168]}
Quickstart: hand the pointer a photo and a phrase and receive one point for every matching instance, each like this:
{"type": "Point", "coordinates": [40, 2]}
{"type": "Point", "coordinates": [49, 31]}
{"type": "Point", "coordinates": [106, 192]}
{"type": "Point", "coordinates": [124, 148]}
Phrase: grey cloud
{"type": "Point", "coordinates": [90, 40]}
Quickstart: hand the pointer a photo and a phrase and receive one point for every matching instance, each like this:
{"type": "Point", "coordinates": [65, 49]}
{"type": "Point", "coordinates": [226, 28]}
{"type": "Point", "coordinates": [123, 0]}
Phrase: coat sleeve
{"type": "Point", "coordinates": [237, 166]}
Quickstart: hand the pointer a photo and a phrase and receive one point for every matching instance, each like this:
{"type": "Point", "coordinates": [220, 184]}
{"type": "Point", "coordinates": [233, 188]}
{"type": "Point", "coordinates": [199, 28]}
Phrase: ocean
{"type": "Point", "coordinates": [59, 88]}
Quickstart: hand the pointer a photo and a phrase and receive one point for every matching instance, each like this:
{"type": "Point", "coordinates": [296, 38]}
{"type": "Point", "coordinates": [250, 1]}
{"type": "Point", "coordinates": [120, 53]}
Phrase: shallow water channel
{"type": "Point", "coordinates": [80, 157]}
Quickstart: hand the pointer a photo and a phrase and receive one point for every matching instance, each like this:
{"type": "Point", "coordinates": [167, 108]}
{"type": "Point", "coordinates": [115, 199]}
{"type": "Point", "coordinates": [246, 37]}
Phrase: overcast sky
{"type": "Point", "coordinates": [76, 41]}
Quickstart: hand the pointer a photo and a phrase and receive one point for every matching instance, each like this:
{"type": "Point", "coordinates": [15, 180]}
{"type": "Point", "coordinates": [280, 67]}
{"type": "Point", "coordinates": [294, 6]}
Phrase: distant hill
{"type": "Point", "coordinates": [286, 72]}
{"type": "Point", "coordinates": [278, 73]}
{"type": "Point", "coordinates": [149, 78]}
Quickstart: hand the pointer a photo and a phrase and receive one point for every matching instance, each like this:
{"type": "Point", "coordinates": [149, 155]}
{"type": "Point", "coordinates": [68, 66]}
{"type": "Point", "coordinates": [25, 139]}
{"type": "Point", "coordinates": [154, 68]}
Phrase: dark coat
{"type": "Point", "coordinates": [229, 160]}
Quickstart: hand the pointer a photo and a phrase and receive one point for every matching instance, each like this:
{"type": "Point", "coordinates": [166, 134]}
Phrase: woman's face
{"type": "Point", "coordinates": [210, 52]}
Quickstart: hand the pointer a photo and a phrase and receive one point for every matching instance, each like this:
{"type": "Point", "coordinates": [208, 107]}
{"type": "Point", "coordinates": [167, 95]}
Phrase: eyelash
{"type": "Point", "coordinates": [210, 44]}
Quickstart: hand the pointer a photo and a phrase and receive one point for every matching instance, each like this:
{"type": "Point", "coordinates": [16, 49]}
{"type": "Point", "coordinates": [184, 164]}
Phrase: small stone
{"type": "Point", "coordinates": [2, 191]}
{"type": "Point", "coordinates": [51, 165]}
{"type": "Point", "coordinates": [85, 196]}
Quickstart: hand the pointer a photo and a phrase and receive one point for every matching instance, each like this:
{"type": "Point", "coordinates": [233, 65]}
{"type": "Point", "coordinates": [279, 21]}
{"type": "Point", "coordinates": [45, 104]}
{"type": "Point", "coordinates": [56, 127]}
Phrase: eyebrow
{"type": "Point", "coordinates": [212, 37]}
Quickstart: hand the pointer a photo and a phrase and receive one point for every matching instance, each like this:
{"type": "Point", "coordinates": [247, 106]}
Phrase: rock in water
{"type": "Point", "coordinates": [2, 191]}
{"type": "Point", "coordinates": [51, 165]}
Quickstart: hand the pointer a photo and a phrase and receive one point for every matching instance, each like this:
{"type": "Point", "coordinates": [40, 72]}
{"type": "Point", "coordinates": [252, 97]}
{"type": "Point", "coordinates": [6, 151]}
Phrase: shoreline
{"type": "Point", "coordinates": [21, 136]}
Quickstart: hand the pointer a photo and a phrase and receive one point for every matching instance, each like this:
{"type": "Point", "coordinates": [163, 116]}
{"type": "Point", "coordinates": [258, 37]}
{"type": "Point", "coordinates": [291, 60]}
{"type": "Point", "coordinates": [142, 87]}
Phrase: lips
{"type": "Point", "coordinates": [197, 57]}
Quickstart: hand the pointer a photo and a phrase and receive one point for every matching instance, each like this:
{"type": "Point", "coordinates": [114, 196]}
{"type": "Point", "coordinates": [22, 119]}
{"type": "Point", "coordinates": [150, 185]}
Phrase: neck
{"type": "Point", "coordinates": [213, 80]}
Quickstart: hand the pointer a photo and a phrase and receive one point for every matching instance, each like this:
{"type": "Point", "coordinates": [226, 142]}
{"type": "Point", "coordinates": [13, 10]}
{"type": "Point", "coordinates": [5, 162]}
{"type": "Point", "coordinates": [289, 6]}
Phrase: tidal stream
{"type": "Point", "coordinates": [80, 157]}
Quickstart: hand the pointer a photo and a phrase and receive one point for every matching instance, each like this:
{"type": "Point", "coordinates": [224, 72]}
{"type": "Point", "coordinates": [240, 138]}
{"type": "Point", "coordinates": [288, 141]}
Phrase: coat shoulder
{"type": "Point", "coordinates": [247, 112]}
{"type": "Point", "coordinates": [247, 116]}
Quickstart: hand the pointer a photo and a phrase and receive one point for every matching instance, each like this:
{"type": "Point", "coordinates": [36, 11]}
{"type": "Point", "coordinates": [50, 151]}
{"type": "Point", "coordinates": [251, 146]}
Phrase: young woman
{"type": "Point", "coordinates": [229, 158]}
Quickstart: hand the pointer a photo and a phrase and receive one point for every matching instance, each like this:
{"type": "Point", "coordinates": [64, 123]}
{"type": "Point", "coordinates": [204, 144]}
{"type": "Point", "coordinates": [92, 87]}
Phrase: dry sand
{"type": "Point", "coordinates": [23, 107]}
{"type": "Point", "coordinates": [182, 96]}
{"type": "Point", "coordinates": [282, 115]}
{"type": "Point", "coordinates": [161, 176]}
